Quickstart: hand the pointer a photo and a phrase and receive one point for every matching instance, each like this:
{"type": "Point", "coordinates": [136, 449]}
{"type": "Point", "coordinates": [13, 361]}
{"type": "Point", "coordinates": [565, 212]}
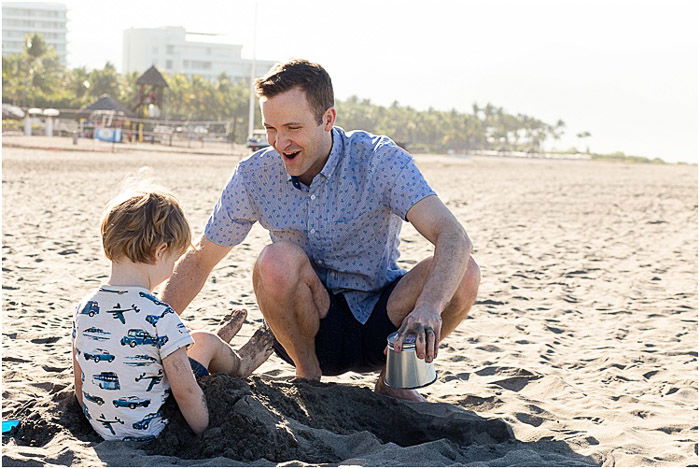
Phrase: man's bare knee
{"type": "Point", "coordinates": [468, 288]}
{"type": "Point", "coordinates": [277, 264]}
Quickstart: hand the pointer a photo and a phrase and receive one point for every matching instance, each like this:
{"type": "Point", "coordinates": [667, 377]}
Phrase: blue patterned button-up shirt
{"type": "Point", "coordinates": [348, 221]}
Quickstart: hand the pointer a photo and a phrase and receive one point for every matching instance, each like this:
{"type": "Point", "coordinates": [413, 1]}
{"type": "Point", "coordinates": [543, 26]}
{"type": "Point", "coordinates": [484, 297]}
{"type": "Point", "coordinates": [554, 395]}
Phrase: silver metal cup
{"type": "Point", "coordinates": [404, 370]}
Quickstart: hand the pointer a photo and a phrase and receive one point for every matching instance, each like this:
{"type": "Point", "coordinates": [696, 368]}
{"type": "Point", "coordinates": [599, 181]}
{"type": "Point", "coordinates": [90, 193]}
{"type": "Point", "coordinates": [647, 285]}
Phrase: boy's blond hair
{"type": "Point", "coordinates": [135, 224]}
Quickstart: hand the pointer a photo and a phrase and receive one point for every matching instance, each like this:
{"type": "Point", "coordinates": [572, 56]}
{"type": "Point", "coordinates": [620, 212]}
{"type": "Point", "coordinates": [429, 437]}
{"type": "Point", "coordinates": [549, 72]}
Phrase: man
{"type": "Point", "coordinates": [328, 285]}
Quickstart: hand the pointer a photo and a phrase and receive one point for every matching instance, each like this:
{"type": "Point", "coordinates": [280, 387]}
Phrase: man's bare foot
{"type": "Point", "coordinates": [231, 324]}
{"type": "Point", "coordinates": [255, 351]}
{"type": "Point", "coordinates": [404, 394]}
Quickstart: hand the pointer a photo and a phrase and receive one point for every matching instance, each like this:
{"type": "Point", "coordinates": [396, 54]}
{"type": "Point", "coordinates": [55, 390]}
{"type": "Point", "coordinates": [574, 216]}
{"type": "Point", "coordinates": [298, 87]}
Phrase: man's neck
{"type": "Point", "coordinates": [327, 148]}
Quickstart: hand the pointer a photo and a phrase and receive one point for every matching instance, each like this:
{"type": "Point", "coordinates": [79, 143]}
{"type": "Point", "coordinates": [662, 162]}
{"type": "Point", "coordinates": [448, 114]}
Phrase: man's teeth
{"type": "Point", "coordinates": [291, 155]}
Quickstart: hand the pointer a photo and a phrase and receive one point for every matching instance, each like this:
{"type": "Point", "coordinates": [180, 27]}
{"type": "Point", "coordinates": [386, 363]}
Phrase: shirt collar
{"type": "Point", "coordinates": [334, 157]}
{"type": "Point", "coordinates": [331, 163]}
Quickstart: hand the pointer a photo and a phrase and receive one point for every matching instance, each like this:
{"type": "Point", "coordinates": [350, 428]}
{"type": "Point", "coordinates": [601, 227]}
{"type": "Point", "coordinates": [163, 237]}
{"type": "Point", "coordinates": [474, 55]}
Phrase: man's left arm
{"type": "Point", "coordinates": [453, 247]}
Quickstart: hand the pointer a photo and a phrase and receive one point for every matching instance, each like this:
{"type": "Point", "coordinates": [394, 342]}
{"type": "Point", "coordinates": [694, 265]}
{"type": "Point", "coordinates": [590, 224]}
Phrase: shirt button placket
{"type": "Point", "coordinates": [312, 218]}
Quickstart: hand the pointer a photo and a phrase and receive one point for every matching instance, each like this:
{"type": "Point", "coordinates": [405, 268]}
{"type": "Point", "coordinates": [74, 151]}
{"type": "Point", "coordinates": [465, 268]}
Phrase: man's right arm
{"type": "Point", "coordinates": [191, 272]}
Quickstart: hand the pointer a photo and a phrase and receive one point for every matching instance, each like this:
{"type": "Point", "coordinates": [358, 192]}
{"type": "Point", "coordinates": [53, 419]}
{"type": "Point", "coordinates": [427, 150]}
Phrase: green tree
{"type": "Point", "coordinates": [33, 77]}
{"type": "Point", "coordinates": [104, 81]}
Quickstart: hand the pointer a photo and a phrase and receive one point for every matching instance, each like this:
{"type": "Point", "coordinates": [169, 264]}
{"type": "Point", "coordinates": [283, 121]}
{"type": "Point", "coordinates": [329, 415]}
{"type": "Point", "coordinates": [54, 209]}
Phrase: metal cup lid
{"type": "Point", "coordinates": [410, 341]}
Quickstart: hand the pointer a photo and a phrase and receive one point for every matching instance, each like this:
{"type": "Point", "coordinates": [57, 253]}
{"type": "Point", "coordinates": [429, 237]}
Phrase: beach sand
{"type": "Point", "coordinates": [581, 349]}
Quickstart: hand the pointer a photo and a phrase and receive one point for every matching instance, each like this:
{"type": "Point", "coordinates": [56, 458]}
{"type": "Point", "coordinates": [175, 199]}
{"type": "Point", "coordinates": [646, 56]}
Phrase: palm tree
{"type": "Point", "coordinates": [584, 135]}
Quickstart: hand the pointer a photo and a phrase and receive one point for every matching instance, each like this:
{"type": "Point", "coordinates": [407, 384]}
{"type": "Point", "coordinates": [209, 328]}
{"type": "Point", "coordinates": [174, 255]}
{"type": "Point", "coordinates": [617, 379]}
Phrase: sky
{"type": "Point", "coordinates": [624, 70]}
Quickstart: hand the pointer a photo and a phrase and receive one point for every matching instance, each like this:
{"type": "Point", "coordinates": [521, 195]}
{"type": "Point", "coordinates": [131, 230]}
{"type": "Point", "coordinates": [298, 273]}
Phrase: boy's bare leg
{"type": "Point", "coordinates": [231, 324]}
{"type": "Point", "coordinates": [219, 357]}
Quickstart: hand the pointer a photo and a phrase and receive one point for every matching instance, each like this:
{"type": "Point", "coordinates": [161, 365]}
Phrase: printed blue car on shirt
{"type": "Point", "coordinates": [140, 337]}
{"type": "Point", "coordinates": [152, 318]}
{"type": "Point", "coordinates": [143, 424]}
{"type": "Point", "coordinates": [131, 402]}
{"type": "Point", "coordinates": [99, 355]}
{"type": "Point", "coordinates": [91, 308]}
{"type": "Point", "coordinates": [95, 333]}
{"type": "Point", "coordinates": [96, 399]}
{"type": "Point", "coordinates": [157, 302]}
{"type": "Point", "coordinates": [140, 360]}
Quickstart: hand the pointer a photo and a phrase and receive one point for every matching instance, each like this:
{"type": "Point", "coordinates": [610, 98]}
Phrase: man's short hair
{"type": "Point", "coordinates": [310, 77]}
{"type": "Point", "coordinates": [135, 224]}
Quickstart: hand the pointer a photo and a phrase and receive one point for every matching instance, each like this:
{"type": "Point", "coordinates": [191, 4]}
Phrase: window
{"type": "Point", "coordinates": [171, 49]}
{"type": "Point", "coordinates": [201, 65]}
{"type": "Point", "coordinates": [168, 64]}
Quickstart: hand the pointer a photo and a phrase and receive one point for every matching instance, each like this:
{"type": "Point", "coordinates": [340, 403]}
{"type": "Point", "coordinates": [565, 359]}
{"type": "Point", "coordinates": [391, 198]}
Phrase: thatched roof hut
{"type": "Point", "coordinates": [152, 77]}
{"type": "Point", "coordinates": [107, 103]}
{"type": "Point", "coordinates": [151, 90]}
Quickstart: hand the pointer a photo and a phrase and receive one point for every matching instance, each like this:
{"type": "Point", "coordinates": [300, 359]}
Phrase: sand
{"type": "Point", "coordinates": [581, 349]}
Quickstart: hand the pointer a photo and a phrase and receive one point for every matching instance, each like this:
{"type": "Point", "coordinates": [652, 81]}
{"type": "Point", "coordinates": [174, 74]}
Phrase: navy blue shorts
{"type": "Point", "coordinates": [198, 369]}
{"type": "Point", "coordinates": [343, 344]}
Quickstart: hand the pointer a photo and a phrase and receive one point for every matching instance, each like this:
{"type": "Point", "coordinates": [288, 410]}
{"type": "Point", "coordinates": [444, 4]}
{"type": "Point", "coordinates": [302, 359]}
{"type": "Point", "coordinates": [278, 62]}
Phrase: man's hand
{"type": "Point", "coordinates": [426, 325]}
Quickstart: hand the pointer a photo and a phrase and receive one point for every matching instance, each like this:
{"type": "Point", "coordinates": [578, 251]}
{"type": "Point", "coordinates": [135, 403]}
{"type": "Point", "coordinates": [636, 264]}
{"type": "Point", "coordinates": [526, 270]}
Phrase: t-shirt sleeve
{"type": "Point", "coordinates": [407, 186]}
{"type": "Point", "coordinates": [172, 333]}
{"type": "Point", "coordinates": [234, 213]}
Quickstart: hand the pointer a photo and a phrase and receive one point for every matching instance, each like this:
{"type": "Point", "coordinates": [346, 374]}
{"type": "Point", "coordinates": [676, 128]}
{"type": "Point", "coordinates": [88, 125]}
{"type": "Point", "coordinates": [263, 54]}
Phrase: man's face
{"type": "Point", "coordinates": [293, 130]}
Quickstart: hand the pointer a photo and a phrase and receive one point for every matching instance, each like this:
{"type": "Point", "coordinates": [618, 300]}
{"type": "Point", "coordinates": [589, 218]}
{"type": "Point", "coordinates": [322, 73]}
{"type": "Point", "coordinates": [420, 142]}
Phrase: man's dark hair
{"type": "Point", "coordinates": [310, 77]}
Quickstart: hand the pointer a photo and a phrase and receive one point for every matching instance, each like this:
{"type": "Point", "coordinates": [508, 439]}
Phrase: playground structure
{"type": "Point", "coordinates": [109, 120]}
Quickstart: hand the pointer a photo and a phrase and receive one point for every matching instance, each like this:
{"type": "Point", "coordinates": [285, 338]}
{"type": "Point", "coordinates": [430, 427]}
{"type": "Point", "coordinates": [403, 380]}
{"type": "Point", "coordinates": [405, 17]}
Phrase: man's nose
{"type": "Point", "coordinates": [281, 140]}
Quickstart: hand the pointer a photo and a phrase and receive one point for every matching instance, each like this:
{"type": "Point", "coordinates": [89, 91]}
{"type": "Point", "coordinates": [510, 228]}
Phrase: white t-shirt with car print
{"type": "Point", "coordinates": [121, 335]}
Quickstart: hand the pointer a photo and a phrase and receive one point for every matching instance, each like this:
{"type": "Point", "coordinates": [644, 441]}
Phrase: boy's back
{"type": "Point", "coordinates": [121, 334]}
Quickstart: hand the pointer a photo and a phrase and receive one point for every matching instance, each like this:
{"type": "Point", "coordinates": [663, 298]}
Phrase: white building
{"type": "Point", "coordinates": [170, 51]}
{"type": "Point", "coordinates": [20, 19]}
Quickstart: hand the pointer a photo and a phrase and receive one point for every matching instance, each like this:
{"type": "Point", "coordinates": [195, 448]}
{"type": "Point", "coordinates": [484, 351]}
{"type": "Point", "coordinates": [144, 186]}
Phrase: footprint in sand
{"type": "Point", "coordinates": [515, 378]}
{"type": "Point", "coordinates": [45, 340]}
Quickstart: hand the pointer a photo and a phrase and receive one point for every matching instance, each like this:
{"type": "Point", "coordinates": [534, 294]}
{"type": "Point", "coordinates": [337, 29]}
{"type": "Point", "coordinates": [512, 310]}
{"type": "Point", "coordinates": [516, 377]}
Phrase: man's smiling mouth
{"type": "Point", "coordinates": [291, 155]}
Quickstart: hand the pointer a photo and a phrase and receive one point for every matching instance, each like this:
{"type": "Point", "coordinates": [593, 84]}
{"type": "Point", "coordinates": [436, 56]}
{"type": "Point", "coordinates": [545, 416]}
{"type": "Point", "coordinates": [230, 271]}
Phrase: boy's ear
{"type": "Point", "coordinates": [161, 250]}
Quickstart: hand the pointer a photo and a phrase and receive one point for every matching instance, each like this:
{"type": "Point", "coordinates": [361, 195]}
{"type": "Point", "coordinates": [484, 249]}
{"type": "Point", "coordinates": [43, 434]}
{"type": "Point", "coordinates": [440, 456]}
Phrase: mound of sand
{"type": "Point", "coordinates": [262, 422]}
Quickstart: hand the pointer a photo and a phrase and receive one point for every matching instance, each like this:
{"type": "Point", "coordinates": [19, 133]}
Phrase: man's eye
{"type": "Point", "coordinates": [294, 128]}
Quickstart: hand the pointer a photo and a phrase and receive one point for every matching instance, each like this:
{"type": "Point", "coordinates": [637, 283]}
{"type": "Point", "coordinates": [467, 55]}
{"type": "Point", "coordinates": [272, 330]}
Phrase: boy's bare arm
{"type": "Point", "coordinates": [78, 382]}
{"type": "Point", "coordinates": [191, 272]}
{"type": "Point", "coordinates": [188, 395]}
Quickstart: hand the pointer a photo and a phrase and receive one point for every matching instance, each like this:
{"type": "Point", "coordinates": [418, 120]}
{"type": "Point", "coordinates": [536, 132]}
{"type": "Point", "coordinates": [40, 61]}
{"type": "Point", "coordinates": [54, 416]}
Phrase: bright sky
{"type": "Point", "coordinates": [624, 70]}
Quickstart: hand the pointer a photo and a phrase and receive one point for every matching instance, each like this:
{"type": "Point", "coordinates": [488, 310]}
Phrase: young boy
{"type": "Point", "coordinates": [130, 350]}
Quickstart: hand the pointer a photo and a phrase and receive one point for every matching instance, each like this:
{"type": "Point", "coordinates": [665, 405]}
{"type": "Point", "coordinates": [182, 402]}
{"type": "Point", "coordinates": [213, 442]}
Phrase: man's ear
{"type": "Point", "coordinates": [329, 119]}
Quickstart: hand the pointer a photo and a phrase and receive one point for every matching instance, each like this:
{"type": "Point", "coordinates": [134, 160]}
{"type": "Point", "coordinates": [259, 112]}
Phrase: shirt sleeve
{"type": "Point", "coordinates": [171, 333]}
{"type": "Point", "coordinates": [234, 213]}
{"type": "Point", "coordinates": [407, 186]}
